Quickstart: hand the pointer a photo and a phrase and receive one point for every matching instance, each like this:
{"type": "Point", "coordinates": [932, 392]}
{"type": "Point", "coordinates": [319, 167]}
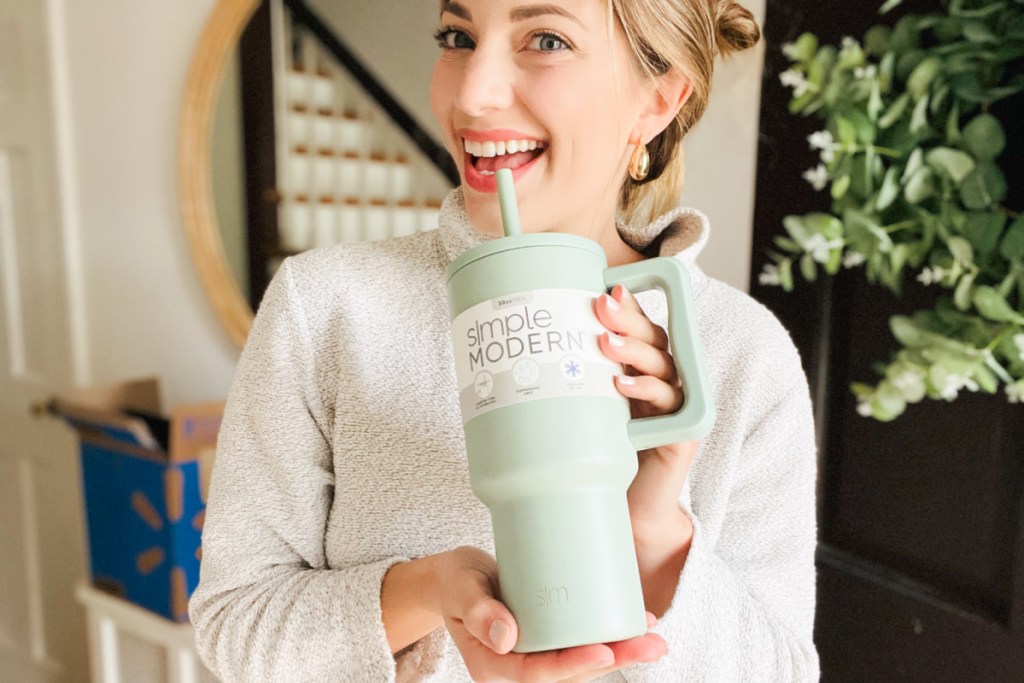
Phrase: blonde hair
{"type": "Point", "coordinates": [685, 36]}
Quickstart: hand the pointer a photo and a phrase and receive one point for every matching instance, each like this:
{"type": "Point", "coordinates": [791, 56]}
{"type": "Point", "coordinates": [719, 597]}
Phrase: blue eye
{"type": "Point", "coordinates": [548, 42]}
{"type": "Point", "coordinates": [453, 39]}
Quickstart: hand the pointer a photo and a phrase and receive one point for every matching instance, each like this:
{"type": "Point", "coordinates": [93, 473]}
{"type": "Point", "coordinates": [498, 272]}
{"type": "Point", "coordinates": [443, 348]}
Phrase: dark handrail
{"type": "Point", "coordinates": [307, 18]}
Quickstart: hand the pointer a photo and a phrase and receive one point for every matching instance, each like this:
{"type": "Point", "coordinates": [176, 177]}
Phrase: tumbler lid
{"type": "Point", "coordinates": [522, 241]}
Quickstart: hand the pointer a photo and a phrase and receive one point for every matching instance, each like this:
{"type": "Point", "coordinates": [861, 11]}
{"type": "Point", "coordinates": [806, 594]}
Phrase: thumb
{"type": "Point", "coordinates": [490, 622]}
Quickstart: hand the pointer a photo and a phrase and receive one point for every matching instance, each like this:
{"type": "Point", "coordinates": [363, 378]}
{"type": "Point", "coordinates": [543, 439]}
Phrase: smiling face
{"type": "Point", "coordinates": [545, 90]}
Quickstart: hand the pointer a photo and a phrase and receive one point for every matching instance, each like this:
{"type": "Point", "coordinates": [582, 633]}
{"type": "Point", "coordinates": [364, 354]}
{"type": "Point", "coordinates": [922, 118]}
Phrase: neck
{"type": "Point", "coordinates": [616, 250]}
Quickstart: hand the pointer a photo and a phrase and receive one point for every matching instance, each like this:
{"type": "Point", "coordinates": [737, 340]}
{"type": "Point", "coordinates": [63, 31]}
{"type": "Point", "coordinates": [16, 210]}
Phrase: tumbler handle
{"type": "Point", "coordinates": [695, 418]}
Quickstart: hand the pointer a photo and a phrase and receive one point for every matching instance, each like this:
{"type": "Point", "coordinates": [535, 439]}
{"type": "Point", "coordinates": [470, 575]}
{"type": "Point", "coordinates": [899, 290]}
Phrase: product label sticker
{"type": "Point", "coordinates": [529, 346]}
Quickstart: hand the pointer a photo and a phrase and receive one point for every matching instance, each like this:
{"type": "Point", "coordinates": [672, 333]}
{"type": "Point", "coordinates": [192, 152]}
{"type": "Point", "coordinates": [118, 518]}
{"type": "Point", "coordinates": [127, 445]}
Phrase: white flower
{"type": "Point", "coordinates": [796, 80]}
{"type": "Point", "coordinates": [820, 248]}
{"type": "Point", "coordinates": [1015, 392]}
{"type": "Point", "coordinates": [953, 383]}
{"type": "Point", "coordinates": [817, 177]}
{"type": "Point", "coordinates": [909, 383]}
{"type": "Point", "coordinates": [821, 140]}
{"type": "Point", "coordinates": [864, 407]}
{"type": "Point", "coordinates": [789, 49]}
{"type": "Point", "coordinates": [769, 276]}
{"type": "Point", "coordinates": [849, 44]}
{"type": "Point", "coordinates": [930, 276]}
{"type": "Point", "coordinates": [852, 259]}
{"type": "Point", "coordinates": [862, 72]}
{"type": "Point", "coordinates": [1018, 340]}
{"type": "Point", "coordinates": [824, 141]}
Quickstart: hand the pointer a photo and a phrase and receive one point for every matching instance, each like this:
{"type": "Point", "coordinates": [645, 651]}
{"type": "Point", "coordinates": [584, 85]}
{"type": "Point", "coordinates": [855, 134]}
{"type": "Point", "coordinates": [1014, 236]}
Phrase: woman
{"type": "Point", "coordinates": [343, 541]}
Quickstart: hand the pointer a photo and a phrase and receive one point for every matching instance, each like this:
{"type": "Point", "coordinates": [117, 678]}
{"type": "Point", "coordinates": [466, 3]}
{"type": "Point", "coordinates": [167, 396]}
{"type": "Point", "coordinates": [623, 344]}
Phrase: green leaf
{"type": "Point", "coordinates": [825, 223]}
{"type": "Point", "coordinates": [1012, 246]}
{"type": "Point", "coordinates": [835, 261]}
{"type": "Point", "coordinates": [994, 307]}
{"type": "Point", "coordinates": [797, 228]}
{"type": "Point", "coordinates": [887, 403]}
{"type": "Point", "coordinates": [876, 40]}
{"type": "Point", "coordinates": [961, 250]}
{"type": "Point", "coordinates": [840, 186]}
{"type": "Point", "coordinates": [984, 186]}
{"type": "Point", "coordinates": [986, 379]}
{"type": "Point", "coordinates": [890, 189]}
{"type": "Point", "coordinates": [984, 137]}
{"type": "Point", "coordinates": [964, 288]}
{"type": "Point", "coordinates": [977, 31]}
{"type": "Point", "coordinates": [889, 5]}
{"type": "Point", "coordinates": [922, 77]}
{"type": "Point", "coordinates": [920, 187]}
{"type": "Point", "coordinates": [984, 230]}
{"type": "Point", "coordinates": [915, 162]}
{"type": "Point", "coordinates": [858, 224]}
{"type": "Point", "coordinates": [919, 119]}
{"type": "Point", "coordinates": [995, 180]}
{"type": "Point", "coordinates": [953, 123]}
{"type": "Point", "coordinates": [951, 162]}
{"type": "Point", "coordinates": [846, 132]}
{"type": "Point", "coordinates": [894, 112]}
{"type": "Point", "coordinates": [805, 47]}
{"type": "Point", "coordinates": [808, 268]}
{"type": "Point", "coordinates": [786, 275]}
{"type": "Point", "coordinates": [786, 244]}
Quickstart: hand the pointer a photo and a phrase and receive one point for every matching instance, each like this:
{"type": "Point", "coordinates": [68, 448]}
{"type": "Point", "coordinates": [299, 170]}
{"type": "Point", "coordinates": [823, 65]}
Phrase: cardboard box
{"type": "Point", "coordinates": [145, 499]}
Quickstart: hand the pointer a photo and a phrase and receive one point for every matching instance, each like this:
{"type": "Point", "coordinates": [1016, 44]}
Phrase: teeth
{"type": "Point", "coordinates": [492, 149]}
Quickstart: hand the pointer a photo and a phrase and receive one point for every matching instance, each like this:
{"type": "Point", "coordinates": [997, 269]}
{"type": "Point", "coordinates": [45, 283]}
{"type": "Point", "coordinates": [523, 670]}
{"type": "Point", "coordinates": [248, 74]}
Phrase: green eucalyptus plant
{"type": "Point", "coordinates": [911, 157]}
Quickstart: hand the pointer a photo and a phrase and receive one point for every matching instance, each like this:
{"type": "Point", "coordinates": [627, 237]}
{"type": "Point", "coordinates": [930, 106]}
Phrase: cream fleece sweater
{"type": "Point", "coordinates": [342, 453]}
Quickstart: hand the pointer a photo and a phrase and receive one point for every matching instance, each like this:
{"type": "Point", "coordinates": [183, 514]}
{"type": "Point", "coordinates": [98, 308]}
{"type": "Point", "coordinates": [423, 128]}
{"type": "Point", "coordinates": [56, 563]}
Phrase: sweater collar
{"type": "Point", "coordinates": [682, 232]}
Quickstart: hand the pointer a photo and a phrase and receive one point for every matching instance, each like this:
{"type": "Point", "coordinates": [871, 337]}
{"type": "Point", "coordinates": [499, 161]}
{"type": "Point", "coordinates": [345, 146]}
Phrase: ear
{"type": "Point", "coordinates": [668, 93]}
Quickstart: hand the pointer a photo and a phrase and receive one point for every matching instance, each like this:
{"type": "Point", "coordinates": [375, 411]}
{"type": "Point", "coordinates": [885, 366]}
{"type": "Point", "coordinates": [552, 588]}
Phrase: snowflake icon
{"type": "Point", "coordinates": [573, 368]}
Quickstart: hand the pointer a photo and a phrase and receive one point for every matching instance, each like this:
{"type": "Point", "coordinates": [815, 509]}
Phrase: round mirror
{"type": "Point", "coordinates": [289, 143]}
{"type": "Point", "coordinates": [215, 48]}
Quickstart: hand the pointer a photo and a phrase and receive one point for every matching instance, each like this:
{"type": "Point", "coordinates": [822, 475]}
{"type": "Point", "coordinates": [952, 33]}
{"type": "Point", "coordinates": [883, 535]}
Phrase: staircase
{"type": "Point", "coordinates": [346, 171]}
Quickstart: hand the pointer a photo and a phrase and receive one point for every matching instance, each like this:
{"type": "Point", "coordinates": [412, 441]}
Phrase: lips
{"type": "Point", "coordinates": [487, 151]}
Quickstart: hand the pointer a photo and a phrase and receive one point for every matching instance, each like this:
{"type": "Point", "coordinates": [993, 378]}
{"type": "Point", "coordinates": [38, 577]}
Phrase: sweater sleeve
{"type": "Point", "coordinates": [268, 607]}
{"type": "Point", "coordinates": [744, 606]}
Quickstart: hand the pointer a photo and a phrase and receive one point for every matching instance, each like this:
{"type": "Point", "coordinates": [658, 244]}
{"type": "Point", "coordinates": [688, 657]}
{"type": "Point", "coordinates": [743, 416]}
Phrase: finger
{"type": "Point", "coordinates": [642, 357]}
{"type": "Point", "coordinates": [664, 398]}
{"type": "Point", "coordinates": [652, 620]}
{"type": "Point", "coordinates": [646, 648]}
{"type": "Point", "coordinates": [490, 622]}
{"type": "Point", "coordinates": [629, 321]}
{"type": "Point", "coordinates": [560, 665]}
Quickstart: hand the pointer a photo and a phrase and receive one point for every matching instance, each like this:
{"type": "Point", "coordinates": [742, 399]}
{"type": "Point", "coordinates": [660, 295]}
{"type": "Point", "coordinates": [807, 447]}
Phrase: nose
{"type": "Point", "coordinates": [487, 83]}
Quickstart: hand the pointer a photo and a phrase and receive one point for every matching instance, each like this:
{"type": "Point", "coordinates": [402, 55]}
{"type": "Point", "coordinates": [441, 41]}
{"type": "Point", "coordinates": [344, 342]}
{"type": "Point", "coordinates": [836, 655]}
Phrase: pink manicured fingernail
{"type": "Point", "coordinates": [616, 340]}
{"type": "Point", "coordinates": [628, 380]}
{"type": "Point", "coordinates": [613, 305]}
{"type": "Point", "coordinates": [498, 633]}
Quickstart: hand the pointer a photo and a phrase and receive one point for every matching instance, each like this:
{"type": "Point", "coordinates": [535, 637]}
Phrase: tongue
{"type": "Point", "coordinates": [510, 161]}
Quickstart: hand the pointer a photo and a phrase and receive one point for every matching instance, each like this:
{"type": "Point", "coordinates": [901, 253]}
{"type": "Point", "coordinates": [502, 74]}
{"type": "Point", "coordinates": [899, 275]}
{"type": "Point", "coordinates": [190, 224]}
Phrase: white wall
{"type": "Point", "coordinates": [145, 314]}
{"type": "Point", "coordinates": [721, 152]}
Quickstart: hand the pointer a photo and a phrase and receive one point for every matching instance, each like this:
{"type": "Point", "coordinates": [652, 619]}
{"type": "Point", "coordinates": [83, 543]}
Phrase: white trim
{"type": "Point", "coordinates": [10, 272]}
{"type": "Point", "coordinates": [68, 205]}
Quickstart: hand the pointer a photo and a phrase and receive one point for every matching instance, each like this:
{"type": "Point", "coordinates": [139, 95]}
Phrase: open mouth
{"type": "Point", "coordinates": [488, 157]}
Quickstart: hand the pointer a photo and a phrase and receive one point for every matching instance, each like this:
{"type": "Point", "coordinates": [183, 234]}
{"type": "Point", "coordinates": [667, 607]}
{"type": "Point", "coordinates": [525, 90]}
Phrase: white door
{"type": "Point", "coordinates": [42, 556]}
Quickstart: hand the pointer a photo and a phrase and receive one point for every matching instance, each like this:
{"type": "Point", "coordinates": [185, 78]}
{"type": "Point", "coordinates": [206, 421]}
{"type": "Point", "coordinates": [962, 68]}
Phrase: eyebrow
{"type": "Point", "coordinates": [521, 13]}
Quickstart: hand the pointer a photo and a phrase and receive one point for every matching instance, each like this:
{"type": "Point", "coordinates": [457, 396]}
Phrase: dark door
{"type": "Point", "coordinates": [921, 554]}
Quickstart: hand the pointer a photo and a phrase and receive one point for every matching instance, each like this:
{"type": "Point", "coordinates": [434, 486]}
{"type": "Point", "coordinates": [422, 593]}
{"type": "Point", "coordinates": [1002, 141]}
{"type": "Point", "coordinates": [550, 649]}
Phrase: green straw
{"type": "Point", "coordinates": [507, 200]}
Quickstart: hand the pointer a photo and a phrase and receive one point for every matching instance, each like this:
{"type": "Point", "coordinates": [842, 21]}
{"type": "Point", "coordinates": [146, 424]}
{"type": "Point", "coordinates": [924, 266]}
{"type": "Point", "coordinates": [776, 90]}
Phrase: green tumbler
{"type": "Point", "coordinates": [551, 446]}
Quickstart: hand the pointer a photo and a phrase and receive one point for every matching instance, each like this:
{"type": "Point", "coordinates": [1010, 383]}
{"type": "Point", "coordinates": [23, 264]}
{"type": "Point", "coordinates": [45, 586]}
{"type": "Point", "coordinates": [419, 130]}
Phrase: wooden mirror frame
{"type": "Point", "coordinates": [195, 183]}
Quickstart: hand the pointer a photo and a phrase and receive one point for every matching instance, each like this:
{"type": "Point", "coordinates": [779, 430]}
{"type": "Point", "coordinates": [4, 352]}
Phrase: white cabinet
{"type": "Point", "coordinates": [128, 644]}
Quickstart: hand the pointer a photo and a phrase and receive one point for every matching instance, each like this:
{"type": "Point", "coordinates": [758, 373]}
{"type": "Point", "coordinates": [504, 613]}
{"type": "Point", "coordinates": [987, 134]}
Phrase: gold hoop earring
{"type": "Point", "coordinates": [639, 162]}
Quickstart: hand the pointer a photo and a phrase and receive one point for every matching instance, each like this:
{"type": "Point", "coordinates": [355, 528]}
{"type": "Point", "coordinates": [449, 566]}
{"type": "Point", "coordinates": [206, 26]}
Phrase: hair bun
{"type": "Point", "coordinates": [737, 28]}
